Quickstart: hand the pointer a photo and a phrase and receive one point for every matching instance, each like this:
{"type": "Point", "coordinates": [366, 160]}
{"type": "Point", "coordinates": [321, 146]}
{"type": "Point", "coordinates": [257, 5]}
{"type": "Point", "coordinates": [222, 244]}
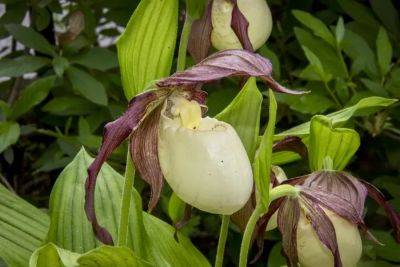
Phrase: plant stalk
{"type": "Point", "coordinates": [223, 234]}
{"type": "Point", "coordinates": [183, 43]}
{"type": "Point", "coordinates": [248, 233]}
{"type": "Point", "coordinates": [126, 202]}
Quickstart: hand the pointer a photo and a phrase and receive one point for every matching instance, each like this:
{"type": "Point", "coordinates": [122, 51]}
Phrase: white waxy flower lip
{"type": "Point", "coordinates": [257, 14]}
{"type": "Point", "coordinates": [207, 167]}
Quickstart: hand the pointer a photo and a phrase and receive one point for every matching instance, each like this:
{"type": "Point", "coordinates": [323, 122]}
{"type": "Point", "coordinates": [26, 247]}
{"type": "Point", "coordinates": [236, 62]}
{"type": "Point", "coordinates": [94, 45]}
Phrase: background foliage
{"type": "Point", "coordinates": [60, 83]}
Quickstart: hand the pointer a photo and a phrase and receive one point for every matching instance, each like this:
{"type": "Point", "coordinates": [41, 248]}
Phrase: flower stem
{"type": "Point", "coordinates": [248, 233]}
{"type": "Point", "coordinates": [283, 190]}
{"type": "Point", "coordinates": [126, 202]}
{"type": "Point", "coordinates": [222, 240]}
{"type": "Point", "coordinates": [183, 43]}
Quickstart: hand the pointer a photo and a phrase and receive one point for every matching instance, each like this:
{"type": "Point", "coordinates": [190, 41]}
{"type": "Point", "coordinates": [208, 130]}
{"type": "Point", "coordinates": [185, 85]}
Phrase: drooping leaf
{"type": "Point", "coordinates": [263, 158]}
{"type": "Point", "coordinates": [23, 228]}
{"type": "Point", "coordinates": [317, 65]}
{"type": "Point", "coordinates": [359, 13]}
{"type": "Point", "coordinates": [384, 51]}
{"type": "Point", "coordinates": [146, 48]}
{"type": "Point", "coordinates": [97, 58]}
{"type": "Point", "coordinates": [71, 230]}
{"type": "Point", "coordinates": [32, 95]}
{"type": "Point", "coordinates": [31, 38]}
{"type": "Point", "coordinates": [87, 86]}
{"type": "Point", "coordinates": [9, 134]}
{"type": "Point", "coordinates": [18, 66]}
{"type": "Point", "coordinates": [225, 64]}
{"type": "Point", "coordinates": [243, 113]}
{"type": "Point", "coordinates": [364, 107]}
{"type": "Point", "coordinates": [388, 14]}
{"type": "Point", "coordinates": [316, 25]}
{"type": "Point", "coordinates": [50, 255]}
{"type": "Point", "coordinates": [339, 144]}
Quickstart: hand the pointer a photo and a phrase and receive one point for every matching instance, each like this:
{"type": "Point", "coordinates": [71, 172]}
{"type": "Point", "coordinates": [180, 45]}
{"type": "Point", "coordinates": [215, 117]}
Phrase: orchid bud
{"type": "Point", "coordinates": [256, 12]}
{"type": "Point", "coordinates": [203, 159]}
{"type": "Point", "coordinates": [312, 252]}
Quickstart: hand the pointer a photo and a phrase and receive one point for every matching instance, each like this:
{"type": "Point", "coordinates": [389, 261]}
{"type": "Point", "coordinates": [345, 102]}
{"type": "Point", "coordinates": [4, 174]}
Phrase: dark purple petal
{"type": "Point", "coordinates": [143, 148]}
{"type": "Point", "coordinates": [240, 26]}
{"type": "Point", "coordinates": [226, 64]}
{"type": "Point", "coordinates": [288, 219]}
{"type": "Point", "coordinates": [323, 227]}
{"type": "Point", "coordinates": [340, 183]}
{"type": "Point", "coordinates": [187, 214]}
{"type": "Point", "coordinates": [291, 143]}
{"type": "Point", "coordinates": [114, 133]}
{"type": "Point", "coordinates": [200, 35]}
{"type": "Point", "coordinates": [393, 216]}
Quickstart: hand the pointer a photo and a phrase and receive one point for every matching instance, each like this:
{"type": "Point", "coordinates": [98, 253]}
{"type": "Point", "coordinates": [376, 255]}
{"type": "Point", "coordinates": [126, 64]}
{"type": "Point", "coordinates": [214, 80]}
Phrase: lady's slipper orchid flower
{"type": "Point", "coordinates": [202, 159]}
{"type": "Point", "coordinates": [232, 19]}
{"type": "Point", "coordinates": [320, 227]}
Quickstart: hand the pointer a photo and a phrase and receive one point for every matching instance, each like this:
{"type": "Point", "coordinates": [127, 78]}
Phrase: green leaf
{"type": "Point", "coordinates": [339, 144]}
{"type": "Point", "coordinates": [339, 31]}
{"type": "Point", "coordinates": [316, 25]}
{"type": "Point", "coordinates": [388, 14]}
{"type": "Point", "coordinates": [9, 134]}
{"type": "Point", "coordinates": [71, 230]}
{"type": "Point", "coordinates": [18, 66]}
{"type": "Point", "coordinates": [263, 158]}
{"type": "Point", "coordinates": [243, 113]}
{"type": "Point", "coordinates": [146, 48]}
{"type": "Point", "coordinates": [384, 51]}
{"type": "Point", "coordinates": [31, 38]}
{"type": "Point", "coordinates": [176, 207]}
{"type": "Point", "coordinates": [326, 54]}
{"type": "Point", "coordinates": [276, 66]}
{"type": "Point", "coordinates": [364, 107]}
{"type": "Point", "coordinates": [69, 105]}
{"type": "Point", "coordinates": [60, 64]}
{"type": "Point", "coordinates": [87, 86]}
{"type": "Point", "coordinates": [374, 87]}
{"type": "Point", "coordinates": [97, 58]}
{"type": "Point", "coordinates": [308, 104]}
{"type": "Point", "coordinates": [32, 95]}
{"type": "Point", "coordinates": [50, 255]}
{"type": "Point", "coordinates": [317, 65]}
{"type": "Point", "coordinates": [23, 228]}
{"type": "Point", "coordinates": [359, 13]}
{"type": "Point", "coordinates": [195, 8]}
{"type": "Point", "coordinates": [390, 250]}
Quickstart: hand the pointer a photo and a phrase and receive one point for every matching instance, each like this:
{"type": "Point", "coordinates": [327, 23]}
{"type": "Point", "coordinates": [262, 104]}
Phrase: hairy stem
{"type": "Point", "coordinates": [222, 240]}
{"type": "Point", "coordinates": [183, 43]}
{"type": "Point", "coordinates": [126, 202]}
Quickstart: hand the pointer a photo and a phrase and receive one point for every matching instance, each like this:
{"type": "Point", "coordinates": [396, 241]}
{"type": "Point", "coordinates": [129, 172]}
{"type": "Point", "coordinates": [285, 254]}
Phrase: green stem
{"type": "Point", "coordinates": [126, 201]}
{"type": "Point", "coordinates": [183, 43]}
{"type": "Point", "coordinates": [338, 104]}
{"type": "Point", "coordinates": [282, 191]}
{"type": "Point", "coordinates": [248, 233]}
{"type": "Point", "coordinates": [327, 163]}
{"type": "Point", "coordinates": [222, 240]}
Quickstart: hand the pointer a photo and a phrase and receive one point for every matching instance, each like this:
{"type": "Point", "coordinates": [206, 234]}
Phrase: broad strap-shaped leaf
{"type": "Point", "coordinates": [288, 219]}
{"type": "Point", "coordinates": [71, 230]}
{"type": "Point", "coordinates": [50, 255]}
{"type": "Point", "coordinates": [240, 26]}
{"type": "Point", "coordinates": [364, 107]}
{"type": "Point", "coordinates": [23, 228]}
{"type": "Point", "coordinates": [340, 144]}
{"type": "Point", "coordinates": [114, 133]}
{"type": "Point", "coordinates": [146, 47]}
{"type": "Point", "coordinates": [226, 64]}
{"type": "Point", "coordinates": [200, 35]}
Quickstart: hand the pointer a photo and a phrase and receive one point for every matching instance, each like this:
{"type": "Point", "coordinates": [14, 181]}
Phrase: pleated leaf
{"type": "Point", "coordinates": [243, 113]}
{"type": "Point", "coordinates": [339, 144]}
{"type": "Point", "coordinates": [23, 228]}
{"type": "Point", "coordinates": [146, 48]}
{"type": "Point", "coordinates": [52, 256]}
{"type": "Point", "coordinates": [71, 230]}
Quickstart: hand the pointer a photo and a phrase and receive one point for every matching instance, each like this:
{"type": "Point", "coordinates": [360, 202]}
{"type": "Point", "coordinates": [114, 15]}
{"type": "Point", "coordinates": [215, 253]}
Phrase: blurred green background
{"type": "Point", "coordinates": [46, 119]}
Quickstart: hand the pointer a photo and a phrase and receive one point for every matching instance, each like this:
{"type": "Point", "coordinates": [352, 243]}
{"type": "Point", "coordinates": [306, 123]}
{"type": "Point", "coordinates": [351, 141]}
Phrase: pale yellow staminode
{"type": "Point", "coordinates": [257, 14]}
{"type": "Point", "coordinates": [203, 159]}
{"type": "Point", "coordinates": [312, 252]}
